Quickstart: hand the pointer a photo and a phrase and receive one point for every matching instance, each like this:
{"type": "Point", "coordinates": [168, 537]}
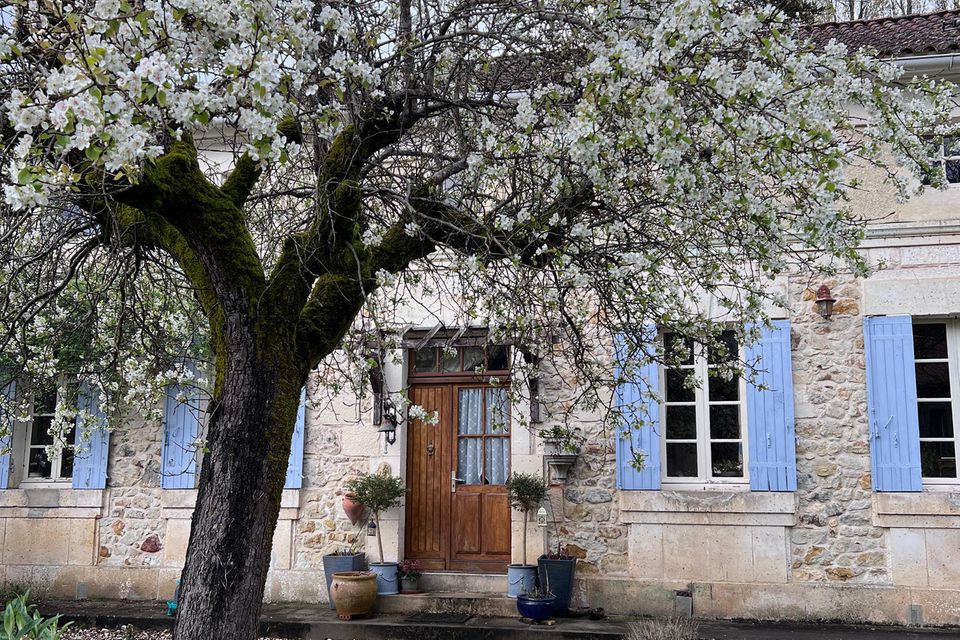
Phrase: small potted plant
{"type": "Point", "coordinates": [537, 604]}
{"type": "Point", "coordinates": [379, 492]}
{"type": "Point", "coordinates": [561, 447]}
{"type": "Point", "coordinates": [410, 576]}
{"type": "Point", "coordinates": [342, 560]}
{"type": "Point", "coordinates": [525, 491]}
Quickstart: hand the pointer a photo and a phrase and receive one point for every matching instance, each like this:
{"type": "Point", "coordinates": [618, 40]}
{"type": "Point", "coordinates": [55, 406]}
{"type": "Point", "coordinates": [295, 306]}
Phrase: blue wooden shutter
{"type": "Point", "coordinates": [91, 453]}
{"type": "Point", "coordinates": [10, 393]}
{"type": "Point", "coordinates": [892, 403]}
{"type": "Point", "coordinates": [295, 464]}
{"type": "Point", "coordinates": [770, 417]}
{"type": "Point", "coordinates": [646, 410]}
{"type": "Point", "coordinates": [181, 428]}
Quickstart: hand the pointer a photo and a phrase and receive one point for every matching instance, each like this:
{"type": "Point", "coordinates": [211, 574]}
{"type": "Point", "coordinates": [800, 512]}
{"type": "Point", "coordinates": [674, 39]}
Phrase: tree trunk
{"type": "Point", "coordinates": [525, 537]}
{"type": "Point", "coordinates": [241, 483]}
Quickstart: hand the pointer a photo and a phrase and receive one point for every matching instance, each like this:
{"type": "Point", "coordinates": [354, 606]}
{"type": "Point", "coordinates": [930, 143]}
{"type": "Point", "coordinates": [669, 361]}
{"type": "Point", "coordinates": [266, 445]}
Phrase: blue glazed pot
{"type": "Point", "coordinates": [521, 579]}
{"type": "Point", "coordinates": [536, 609]}
{"type": "Point", "coordinates": [388, 582]}
{"type": "Point", "coordinates": [340, 564]}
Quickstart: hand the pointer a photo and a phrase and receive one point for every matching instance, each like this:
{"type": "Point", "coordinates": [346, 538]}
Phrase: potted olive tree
{"type": "Point", "coordinates": [379, 492]}
{"type": "Point", "coordinates": [525, 491]}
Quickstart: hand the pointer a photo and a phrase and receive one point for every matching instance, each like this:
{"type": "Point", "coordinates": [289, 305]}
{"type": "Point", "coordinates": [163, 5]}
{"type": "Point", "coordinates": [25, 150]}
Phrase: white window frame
{"type": "Point", "coordinates": [705, 479]}
{"type": "Point", "coordinates": [953, 362]}
{"type": "Point", "coordinates": [26, 434]}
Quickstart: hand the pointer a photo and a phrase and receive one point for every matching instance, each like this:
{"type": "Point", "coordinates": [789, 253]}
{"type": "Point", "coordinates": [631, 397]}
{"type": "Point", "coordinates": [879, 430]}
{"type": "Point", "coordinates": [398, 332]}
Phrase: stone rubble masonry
{"type": "Point", "coordinates": [833, 549]}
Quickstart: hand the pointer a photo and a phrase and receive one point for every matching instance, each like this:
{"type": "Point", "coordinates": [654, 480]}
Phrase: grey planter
{"type": "Point", "coordinates": [333, 563]}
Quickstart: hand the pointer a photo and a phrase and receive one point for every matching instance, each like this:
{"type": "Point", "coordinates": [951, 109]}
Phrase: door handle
{"type": "Point", "coordinates": [454, 480]}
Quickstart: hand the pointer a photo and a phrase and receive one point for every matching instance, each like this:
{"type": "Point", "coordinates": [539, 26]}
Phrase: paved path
{"type": "Point", "coordinates": [316, 622]}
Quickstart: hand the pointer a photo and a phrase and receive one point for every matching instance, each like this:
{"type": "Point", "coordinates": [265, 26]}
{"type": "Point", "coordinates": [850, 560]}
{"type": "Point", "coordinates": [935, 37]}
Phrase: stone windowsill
{"type": "Point", "coordinates": [51, 502]}
{"type": "Point", "coordinates": [177, 504]}
{"type": "Point", "coordinates": [708, 507]}
{"type": "Point", "coordinates": [925, 510]}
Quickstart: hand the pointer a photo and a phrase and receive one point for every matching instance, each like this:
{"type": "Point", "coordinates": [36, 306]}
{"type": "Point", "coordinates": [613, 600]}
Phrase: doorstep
{"type": "Point", "coordinates": [475, 604]}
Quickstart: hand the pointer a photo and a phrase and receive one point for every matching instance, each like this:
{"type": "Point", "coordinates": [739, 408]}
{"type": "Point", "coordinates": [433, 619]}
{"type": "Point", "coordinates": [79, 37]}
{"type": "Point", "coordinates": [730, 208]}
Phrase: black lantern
{"type": "Point", "coordinates": [388, 423]}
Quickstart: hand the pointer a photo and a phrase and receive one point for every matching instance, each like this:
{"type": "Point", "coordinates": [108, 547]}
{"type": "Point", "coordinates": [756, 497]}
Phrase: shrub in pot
{"type": "Point", "coordinates": [410, 576]}
{"type": "Point", "coordinates": [340, 561]}
{"type": "Point", "coordinates": [379, 492]}
{"type": "Point", "coordinates": [525, 491]}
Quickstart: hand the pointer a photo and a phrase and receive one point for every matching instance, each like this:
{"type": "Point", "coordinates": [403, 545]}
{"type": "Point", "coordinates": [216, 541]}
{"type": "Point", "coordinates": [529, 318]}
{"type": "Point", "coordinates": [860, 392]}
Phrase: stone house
{"type": "Point", "coordinates": [831, 493]}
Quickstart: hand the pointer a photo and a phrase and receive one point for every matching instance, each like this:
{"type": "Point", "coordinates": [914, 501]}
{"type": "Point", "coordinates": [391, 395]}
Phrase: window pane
{"type": "Point", "coordinates": [951, 146]}
{"type": "Point", "coordinates": [682, 460]}
{"type": "Point", "coordinates": [66, 463]}
{"type": "Point", "coordinates": [469, 459]}
{"type": "Point", "coordinates": [472, 358]}
{"type": "Point", "coordinates": [727, 459]}
{"type": "Point", "coordinates": [679, 347]}
{"type": "Point", "coordinates": [498, 417]}
{"type": "Point", "coordinates": [38, 464]}
{"type": "Point", "coordinates": [426, 360]}
{"type": "Point", "coordinates": [732, 352]}
{"type": "Point", "coordinates": [450, 360]}
{"type": "Point", "coordinates": [938, 460]}
{"type": "Point", "coordinates": [721, 389]}
{"type": "Point", "coordinates": [676, 385]}
{"type": "Point", "coordinates": [470, 412]}
{"type": "Point", "coordinates": [681, 423]}
{"type": "Point", "coordinates": [953, 171]}
{"type": "Point", "coordinates": [936, 419]}
{"type": "Point", "coordinates": [933, 380]}
{"type": "Point", "coordinates": [498, 460]}
{"type": "Point", "coordinates": [40, 435]}
{"type": "Point", "coordinates": [45, 401]}
{"type": "Point", "coordinates": [929, 341]}
{"type": "Point", "coordinates": [497, 358]}
{"type": "Point", "coordinates": [725, 422]}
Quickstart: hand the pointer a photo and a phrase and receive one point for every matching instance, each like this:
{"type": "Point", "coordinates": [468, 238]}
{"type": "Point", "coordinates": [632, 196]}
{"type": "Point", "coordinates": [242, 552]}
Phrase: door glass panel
{"type": "Point", "coordinates": [497, 460]}
{"type": "Point", "coordinates": [470, 412]}
{"type": "Point", "coordinates": [498, 358]}
{"type": "Point", "coordinates": [498, 418]}
{"type": "Point", "coordinates": [472, 358]}
{"type": "Point", "coordinates": [426, 360]}
{"type": "Point", "coordinates": [470, 460]}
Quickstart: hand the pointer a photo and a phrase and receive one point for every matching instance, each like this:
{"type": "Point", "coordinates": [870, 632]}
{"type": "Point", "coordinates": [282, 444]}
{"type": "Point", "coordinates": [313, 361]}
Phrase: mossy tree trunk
{"type": "Point", "coordinates": [267, 332]}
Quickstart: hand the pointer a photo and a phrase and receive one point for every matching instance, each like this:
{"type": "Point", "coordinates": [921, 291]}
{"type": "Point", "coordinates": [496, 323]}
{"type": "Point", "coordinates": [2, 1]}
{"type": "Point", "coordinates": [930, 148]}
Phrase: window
{"type": "Point", "coordinates": [946, 152]}
{"type": "Point", "coordinates": [703, 424]}
{"type": "Point", "coordinates": [463, 360]}
{"type": "Point", "coordinates": [936, 347]}
{"type": "Point", "coordinates": [38, 465]}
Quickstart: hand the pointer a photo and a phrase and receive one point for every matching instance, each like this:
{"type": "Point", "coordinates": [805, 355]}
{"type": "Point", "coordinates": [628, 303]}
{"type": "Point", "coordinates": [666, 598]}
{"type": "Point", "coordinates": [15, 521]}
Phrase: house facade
{"type": "Point", "coordinates": [827, 490]}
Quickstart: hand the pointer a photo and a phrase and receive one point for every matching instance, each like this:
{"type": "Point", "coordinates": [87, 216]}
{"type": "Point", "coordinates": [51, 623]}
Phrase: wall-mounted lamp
{"type": "Point", "coordinates": [824, 302]}
{"type": "Point", "coordinates": [388, 426]}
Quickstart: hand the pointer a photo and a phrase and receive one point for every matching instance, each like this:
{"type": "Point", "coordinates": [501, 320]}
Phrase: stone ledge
{"type": "Point", "coordinates": [51, 503]}
{"type": "Point", "coordinates": [177, 504]}
{"type": "Point", "coordinates": [925, 510]}
{"type": "Point", "coordinates": [708, 507]}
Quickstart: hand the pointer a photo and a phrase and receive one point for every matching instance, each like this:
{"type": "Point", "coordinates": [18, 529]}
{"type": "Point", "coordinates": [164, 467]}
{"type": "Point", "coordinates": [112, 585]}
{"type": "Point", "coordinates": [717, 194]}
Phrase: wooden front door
{"type": "Point", "coordinates": [457, 513]}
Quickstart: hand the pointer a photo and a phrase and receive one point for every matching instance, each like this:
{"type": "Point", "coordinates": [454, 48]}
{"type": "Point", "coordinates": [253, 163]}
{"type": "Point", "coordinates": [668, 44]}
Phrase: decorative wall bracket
{"type": "Point", "coordinates": [560, 465]}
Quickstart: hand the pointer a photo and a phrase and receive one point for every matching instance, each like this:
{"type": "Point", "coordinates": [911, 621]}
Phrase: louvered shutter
{"type": "Point", "coordinates": [771, 425]}
{"type": "Point", "coordinates": [892, 403]}
{"type": "Point", "coordinates": [630, 400]}
{"type": "Point", "coordinates": [295, 464]}
{"type": "Point", "coordinates": [181, 428]}
{"type": "Point", "coordinates": [10, 393]}
{"type": "Point", "coordinates": [91, 450]}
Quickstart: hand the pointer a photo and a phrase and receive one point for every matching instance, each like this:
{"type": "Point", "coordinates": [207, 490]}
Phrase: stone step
{"type": "Point", "coordinates": [476, 604]}
{"type": "Point", "coordinates": [443, 581]}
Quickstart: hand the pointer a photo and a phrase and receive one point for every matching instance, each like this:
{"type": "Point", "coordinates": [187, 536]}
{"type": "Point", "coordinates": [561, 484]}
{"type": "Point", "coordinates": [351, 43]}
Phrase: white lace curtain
{"type": "Point", "coordinates": [474, 421]}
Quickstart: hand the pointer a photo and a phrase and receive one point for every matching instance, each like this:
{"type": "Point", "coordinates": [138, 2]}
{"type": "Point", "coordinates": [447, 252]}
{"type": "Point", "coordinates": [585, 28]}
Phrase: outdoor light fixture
{"type": "Point", "coordinates": [388, 426]}
{"type": "Point", "coordinates": [824, 302]}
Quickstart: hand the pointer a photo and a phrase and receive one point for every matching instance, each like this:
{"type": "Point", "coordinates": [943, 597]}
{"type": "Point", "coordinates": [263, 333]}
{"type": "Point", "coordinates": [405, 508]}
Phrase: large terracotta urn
{"type": "Point", "coordinates": [352, 508]}
{"type": "Point", "coordinates": [353, 593]}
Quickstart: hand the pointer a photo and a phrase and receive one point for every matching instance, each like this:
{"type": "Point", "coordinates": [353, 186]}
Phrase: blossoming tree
{"type": "Point", "coordinates": [261, 183]}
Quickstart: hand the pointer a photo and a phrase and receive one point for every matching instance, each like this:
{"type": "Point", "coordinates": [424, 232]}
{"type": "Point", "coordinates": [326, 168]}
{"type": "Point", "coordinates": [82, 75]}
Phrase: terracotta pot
{"type": "Point", "coordinates": [353, 593]}
{"type": "Point", "coordinates": [352, 508]}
